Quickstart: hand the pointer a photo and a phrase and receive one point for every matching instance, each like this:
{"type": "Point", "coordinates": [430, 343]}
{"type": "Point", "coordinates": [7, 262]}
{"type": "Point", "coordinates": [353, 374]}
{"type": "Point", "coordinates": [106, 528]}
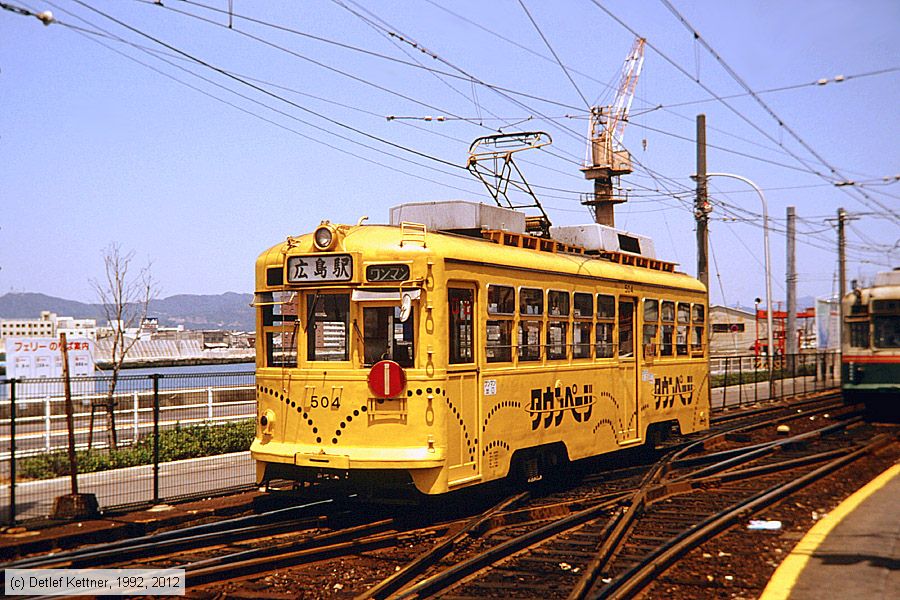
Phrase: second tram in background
{"type": "Point", "coordinates": [870, 346]}
{"type": "Point", "coordinates": [451, 348]}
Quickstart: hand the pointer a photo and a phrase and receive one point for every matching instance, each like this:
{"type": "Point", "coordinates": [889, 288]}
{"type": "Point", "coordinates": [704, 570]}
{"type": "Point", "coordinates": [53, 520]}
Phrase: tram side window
{"type": "Point", "coordinates": [681, 330]}
{"type": "Point", "coordinates": [583, 305]}
{"type": "Point", "coordinates": [606, 320]}
{"type": "Point", "coordinates": [557, 327]}
{"type": "Point", "coordinates": [501, 302]}
{"type": "Point", "coordinates": [583, 309]}
{"type": "Point", "coordinates": [327, 326]}
{"type": "Point", "coordinates": [667, 345]}
{"type": "Point", "coordinates": [531, 305]}
{"type": "Point", "coordinates": [651, 325]}
{"type": "Point", "coordinates": [698, 314]}
{"type": "Point", "coordinates": [461, 327]}
{"type": "Point", "coordinates": [531, 302]}
{"type": "Point", "coordinates": [386, 337]}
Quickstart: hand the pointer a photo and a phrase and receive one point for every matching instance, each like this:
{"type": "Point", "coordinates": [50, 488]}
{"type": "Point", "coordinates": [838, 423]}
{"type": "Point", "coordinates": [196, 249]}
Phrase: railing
{"type": "Point", "coordinates": [143, 468]}
{"type": "Point", "coordinates": [134, 413]}
{"type": "Point", "coordinates": [742, 380]}
{"type": "Point", "coordinates": [158, 419]}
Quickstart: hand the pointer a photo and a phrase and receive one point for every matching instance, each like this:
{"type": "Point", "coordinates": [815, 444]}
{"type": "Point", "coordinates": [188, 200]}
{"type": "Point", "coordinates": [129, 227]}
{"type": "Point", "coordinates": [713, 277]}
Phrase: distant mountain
{"type": "Point", "coordinates": [224, 311]}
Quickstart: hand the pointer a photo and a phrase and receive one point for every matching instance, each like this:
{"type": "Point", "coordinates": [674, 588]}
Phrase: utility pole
{"type": "Point", "coordinates": [791, 328]}
{"type": "Point", "coordinates": [842, 259]}
{"type": "Point", "coordinates": [701, 206]}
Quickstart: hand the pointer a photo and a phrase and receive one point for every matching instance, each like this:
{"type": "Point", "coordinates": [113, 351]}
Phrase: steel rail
{"type": "Point", "coordinates": [424, 561]}
{"type": "Point", "coordinates": [654, 490]}
{"type": "Point", "coordinates": [462, 569]}
{"type": "Point", "coordinates": [757, 451]}
{"type": "Point", "coordinates": [248, 563]}
{"type": "Point", "coordinates": [639, 577]}
{"type": "Point", "coordinates": [169, 539]}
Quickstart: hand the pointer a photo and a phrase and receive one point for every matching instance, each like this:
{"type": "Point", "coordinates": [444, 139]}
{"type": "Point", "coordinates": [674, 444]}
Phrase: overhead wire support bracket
{"type": "Point", "coordinates": [491, 162]}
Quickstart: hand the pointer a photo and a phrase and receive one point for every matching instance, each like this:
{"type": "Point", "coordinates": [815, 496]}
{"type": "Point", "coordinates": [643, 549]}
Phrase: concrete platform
{"type": "Point", "coordinates": [854, 552]}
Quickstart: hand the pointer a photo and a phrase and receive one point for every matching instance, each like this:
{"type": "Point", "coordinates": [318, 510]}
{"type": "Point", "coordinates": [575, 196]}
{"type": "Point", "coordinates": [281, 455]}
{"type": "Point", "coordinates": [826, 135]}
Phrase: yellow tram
{"type": "Point", "coordinates": [458, 349]}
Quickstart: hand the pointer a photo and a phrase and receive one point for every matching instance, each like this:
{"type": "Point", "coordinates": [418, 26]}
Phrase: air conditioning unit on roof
{"type": "Point", "coordinates": [601, 238]}
{"type": "Point", "coordinates": [459, 216]}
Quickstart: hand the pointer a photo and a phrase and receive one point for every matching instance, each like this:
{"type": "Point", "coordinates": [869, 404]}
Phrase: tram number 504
{"type": "Point", "coordinates": [324, 402]}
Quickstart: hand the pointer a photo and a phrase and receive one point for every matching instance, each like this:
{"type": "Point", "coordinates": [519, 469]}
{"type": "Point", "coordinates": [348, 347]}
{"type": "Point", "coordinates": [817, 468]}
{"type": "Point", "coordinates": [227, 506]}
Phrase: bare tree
{"type": "Point", "coordinates": [125, 298]}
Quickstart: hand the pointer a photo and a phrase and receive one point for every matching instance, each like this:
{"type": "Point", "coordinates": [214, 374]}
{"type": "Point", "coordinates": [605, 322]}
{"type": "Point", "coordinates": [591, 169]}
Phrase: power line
{"type": "Point", "coordinates": [816, 83]}
{"type": "Point", "coordinates": [265, 91]}
{"type": "Point", "coordinates": [280, 112]}
{"type": "Point", "coordinates": [765, 106]}
{"type": "Point", "coordinates": [553, 52]}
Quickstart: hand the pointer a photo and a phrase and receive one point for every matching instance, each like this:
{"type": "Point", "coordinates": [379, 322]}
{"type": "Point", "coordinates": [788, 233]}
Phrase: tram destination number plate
{"type": "Point", "coordinates": [316, 268]}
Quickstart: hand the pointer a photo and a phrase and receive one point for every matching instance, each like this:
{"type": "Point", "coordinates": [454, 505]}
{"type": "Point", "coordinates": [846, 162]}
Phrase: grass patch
{"type": "Point", "coordinates": [193, 441]}
{"type": "Point", "coordinates": [737, 378]}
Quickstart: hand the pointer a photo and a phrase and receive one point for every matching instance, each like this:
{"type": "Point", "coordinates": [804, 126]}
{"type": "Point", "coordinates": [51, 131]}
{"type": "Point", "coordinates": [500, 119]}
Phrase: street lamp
{"type": "Point", "coordinates": [769, 332]}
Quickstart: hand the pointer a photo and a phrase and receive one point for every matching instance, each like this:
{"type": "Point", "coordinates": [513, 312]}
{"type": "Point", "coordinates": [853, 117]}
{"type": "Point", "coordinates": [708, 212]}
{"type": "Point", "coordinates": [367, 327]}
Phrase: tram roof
{"type": "Point", "coordinates": [390, 242]}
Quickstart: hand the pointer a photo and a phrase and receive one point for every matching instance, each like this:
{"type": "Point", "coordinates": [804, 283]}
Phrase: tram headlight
{"type": "Point", "coordinates": [324, 237]}
{"type": "Point", "coordinates": [267, 422]}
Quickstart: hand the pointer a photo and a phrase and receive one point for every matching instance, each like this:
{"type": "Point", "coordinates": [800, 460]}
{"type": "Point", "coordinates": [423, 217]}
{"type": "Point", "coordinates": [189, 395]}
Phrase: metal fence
{"type": "Point", "coordinates": [157, 420]}
{"type": "Point", "coordinates": [741, 380]}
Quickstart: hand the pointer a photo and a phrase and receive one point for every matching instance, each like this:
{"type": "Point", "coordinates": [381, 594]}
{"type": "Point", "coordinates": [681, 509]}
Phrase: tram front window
{"type": "Point", "coordinates": [327, 324]}
{"type": "Point", "coordinates": [859, 334]}
{"type": "Point", "coordinates": [886, 332]}
{"type": "Point", "coordinates": [386, 337]}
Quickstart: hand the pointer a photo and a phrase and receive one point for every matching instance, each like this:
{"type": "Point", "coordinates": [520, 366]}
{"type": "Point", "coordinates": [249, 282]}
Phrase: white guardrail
{"type": "Point", "coordinates": [48, 432]}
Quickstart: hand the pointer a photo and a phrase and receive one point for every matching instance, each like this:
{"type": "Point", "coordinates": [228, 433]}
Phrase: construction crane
{"type": "Point", "coordinates": [607, 159]}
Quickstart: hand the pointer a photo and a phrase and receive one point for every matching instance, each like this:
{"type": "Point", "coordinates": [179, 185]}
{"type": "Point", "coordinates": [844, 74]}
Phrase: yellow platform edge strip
{"type": "Point", "coordinates": [785, 577]}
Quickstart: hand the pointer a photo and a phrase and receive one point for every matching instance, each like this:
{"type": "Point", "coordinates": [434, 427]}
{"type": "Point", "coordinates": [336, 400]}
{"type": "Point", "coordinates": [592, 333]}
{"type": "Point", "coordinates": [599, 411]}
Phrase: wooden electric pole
{"type": "Point", "coordinates": [842, 258]}
{"type": "Point", "coordinates": [791, 277]}
{"type": "Point", "coordinates": [701, 205]}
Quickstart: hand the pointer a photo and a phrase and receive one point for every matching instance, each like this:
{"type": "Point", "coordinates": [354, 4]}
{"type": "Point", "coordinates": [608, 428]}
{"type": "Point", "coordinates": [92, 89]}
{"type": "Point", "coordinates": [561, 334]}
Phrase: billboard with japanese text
{"type": "Point", "coordinates": [41, 357]}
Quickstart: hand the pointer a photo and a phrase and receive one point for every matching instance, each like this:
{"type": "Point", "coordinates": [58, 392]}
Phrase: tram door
{"type": "Point", "coordinates": [462, 398]}
{"type": "Point", "coordinates": [628, 371]}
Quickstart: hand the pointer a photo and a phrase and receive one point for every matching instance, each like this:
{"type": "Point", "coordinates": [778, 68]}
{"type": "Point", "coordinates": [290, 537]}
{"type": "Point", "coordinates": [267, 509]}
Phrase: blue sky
{"type": "Point", "coordinates": [108, 136]}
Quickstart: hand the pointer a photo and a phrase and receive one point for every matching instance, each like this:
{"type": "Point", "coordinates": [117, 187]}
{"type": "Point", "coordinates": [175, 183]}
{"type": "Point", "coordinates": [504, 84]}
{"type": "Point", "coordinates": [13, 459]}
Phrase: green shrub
{"type": "Point", "coordinates": [193, 441]}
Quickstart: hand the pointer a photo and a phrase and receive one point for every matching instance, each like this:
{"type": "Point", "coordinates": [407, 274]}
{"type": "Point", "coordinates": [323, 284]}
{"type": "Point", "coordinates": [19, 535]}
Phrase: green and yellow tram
{"type": "Point", "coordinates": [870, 345]}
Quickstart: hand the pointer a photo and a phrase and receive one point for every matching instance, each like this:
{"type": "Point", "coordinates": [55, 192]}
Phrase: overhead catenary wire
{"type": "Point", "coordinates": [265, 119]}
{"type": "Point", "coordinates": [553, 52]}
{"type": "Point", "coordinates": [668, 185]}
{"type": "Point", "coordinates": [768, 109]}
{"type": "Point", "coordinates": [733, 110]}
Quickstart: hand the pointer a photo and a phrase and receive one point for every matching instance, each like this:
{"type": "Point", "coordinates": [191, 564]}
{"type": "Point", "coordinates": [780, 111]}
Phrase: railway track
{"type": "Point", "coordinates": [611, 549]}
{"type": "Point", "coordinates": [605, 537]}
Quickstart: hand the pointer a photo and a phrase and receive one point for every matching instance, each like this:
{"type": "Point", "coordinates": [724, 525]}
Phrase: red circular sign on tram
{"type": "Point", "coordinates": [386, 379]}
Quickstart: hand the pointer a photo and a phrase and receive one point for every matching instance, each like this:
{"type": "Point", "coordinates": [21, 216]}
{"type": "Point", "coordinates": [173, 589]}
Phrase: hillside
{"type": "Point", "coordinates": [223, 311]}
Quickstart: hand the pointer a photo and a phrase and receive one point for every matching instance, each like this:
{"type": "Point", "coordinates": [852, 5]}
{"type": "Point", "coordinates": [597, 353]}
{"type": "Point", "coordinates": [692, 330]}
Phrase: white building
{"type": "Point", "coordinates": [48, 325]}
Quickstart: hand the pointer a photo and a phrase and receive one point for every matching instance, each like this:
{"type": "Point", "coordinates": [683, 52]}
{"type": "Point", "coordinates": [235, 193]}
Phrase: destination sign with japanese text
{"type": "Point", "coordinates": [394, 272]}
{"type": "Point", "coordinates": [319, 268]}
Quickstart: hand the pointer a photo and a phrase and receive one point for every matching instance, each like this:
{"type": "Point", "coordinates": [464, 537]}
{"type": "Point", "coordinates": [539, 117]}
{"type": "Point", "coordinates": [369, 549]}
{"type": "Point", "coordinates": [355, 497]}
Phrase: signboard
{"type": "Point", "coordinates": [41, 357]}
{"type": "Point", "coordinates": [319, 268]}
{"type": "Point", "coordinates": [828, 325]}
{"type": "Point", "coordinates": [386, 379]}
{"type": "Point", "coordinates": [394, 272]}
